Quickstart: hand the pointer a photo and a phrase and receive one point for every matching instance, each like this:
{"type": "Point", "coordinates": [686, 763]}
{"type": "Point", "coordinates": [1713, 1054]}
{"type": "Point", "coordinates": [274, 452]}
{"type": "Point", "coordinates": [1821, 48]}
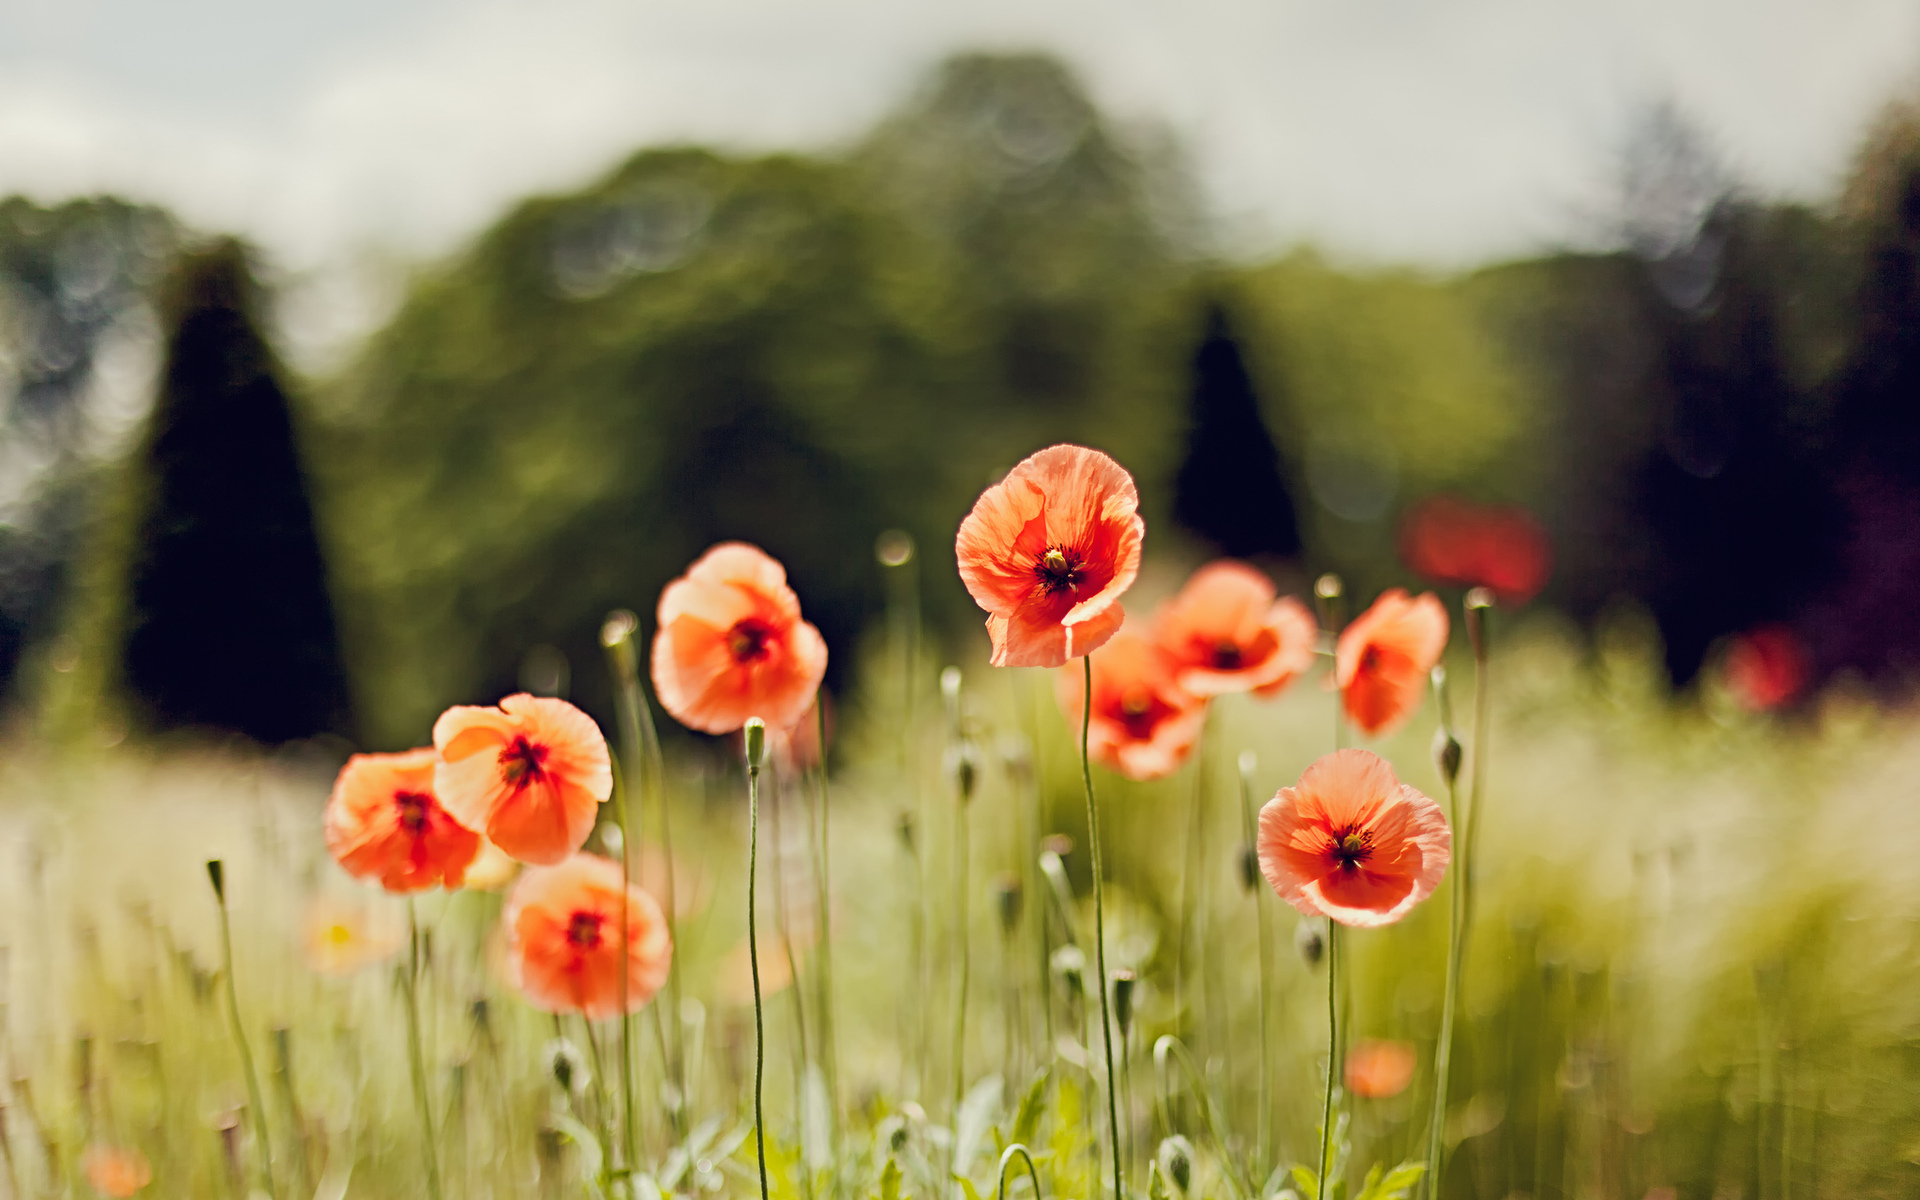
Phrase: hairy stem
{"type": "Point", "coordinates": [1099, 924]}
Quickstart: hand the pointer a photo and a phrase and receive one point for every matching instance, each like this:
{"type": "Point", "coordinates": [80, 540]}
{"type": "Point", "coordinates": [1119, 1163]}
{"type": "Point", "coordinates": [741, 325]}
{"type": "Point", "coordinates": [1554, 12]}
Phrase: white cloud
{"type": "Point", "coordinates": [1386, 129]}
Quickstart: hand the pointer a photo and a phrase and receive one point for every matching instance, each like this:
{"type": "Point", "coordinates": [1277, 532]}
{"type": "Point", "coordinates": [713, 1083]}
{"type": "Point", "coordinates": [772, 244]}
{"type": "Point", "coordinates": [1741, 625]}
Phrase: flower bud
{"type": "Point", "coordinates": [1249, 867]}
{"type": "Point", "coordinates": [1070, 965]}
{"type": "Point", "coordinates": [950, 693]}
{"type": "Point", "coordinates": [1446, 754]}
{"type": "Point", "coordinates": [568, 1065]}
{"type": "Point", "coordinates": [894, 548]}
{"type": "Point", "coordinates": [963, 764]}
{"type": "Point", "coordinates": [1175, 1157]}
{"type": "Point", "coordinates": [903, 826]}
{"type": "Point", "coordinates": [216, 874]}
{"type": "Point", "coordinates": [1057, 844]}
{"type": "Point", "coordinates": [1006, 897]}
{"type": "Point", "coordinates": [1310, 942]}
{"type": "Point", "coordinates": [1124, 981]}
{"type": "Point", "coordinates": [1479, 600]}
{"type": "Point", "coordinates": [756, 733]}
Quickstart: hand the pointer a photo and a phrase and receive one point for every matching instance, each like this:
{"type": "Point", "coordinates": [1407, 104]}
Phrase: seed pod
{"type": "Point", "coordinates": [1006, 898]}
{"type": "Point", "coordinates": [1175, 1157]}
{"type": "Point", "coordinates": [1446, 755]}
{"type": "Point", "coordinates": [1124, 981]}
{"type": "Point", "coordinates": [1249, 868]}
{"type": "Point", "coordinates": [1310, 942]}
{"type": "Point", "coordinates": [756, 743]}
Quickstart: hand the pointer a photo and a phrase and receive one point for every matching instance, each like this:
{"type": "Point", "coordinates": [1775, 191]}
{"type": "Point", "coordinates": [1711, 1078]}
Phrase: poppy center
{"type": "Point", "coordinates": [1139, 711]}
{"type": "Point", "coordinates": [413, 810]}
{"type": "Point", "coordinates": [1058, 570]}
{"type": "Point", "coordinates": [520, 762]}
{"type": "Point", "coordinates": [747, 640]}
{"type": "Point", "coordinates": [583, 930]}
{"type": "Point", "coordinates": [1354, 847]}
{"type": "Point", "coordinates": [1226, 657]}
{"type": "Point", "coordinates": [1370, 660]}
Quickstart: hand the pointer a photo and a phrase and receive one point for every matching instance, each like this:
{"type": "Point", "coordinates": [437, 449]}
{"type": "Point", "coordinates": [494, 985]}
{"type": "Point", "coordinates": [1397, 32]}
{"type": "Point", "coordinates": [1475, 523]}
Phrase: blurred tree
{"type": "Point", "coordinates": [1230, 491]}
{"type": "Point", "coordinates": [75, 344]}
{"type": "Point", "coordinates": [228, 623]}
{"type": "Point", "coordinates": [792, 352]}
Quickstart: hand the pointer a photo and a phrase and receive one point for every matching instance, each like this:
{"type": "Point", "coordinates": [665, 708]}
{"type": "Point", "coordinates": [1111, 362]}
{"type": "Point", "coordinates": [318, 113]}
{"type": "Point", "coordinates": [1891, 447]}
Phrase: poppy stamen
{"type": "Point", "coordinates": [1354, 848]}
{"type": "Point", "coordinates": [1226, 657]}
{"type": "Point", "coordinates": [413, 808]}
{"type": "Point", "coordinates": [1058, 570]}
{"type": "Point", "coordinates": [520, 762]}
{"type": "Point", "coordinates": [747, 640]}
{"type": "Point", "coordinates": [583, 930]}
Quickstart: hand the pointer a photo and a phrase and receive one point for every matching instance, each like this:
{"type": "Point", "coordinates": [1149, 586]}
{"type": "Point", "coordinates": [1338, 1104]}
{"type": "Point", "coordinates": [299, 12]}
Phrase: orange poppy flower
{"type": "Point", "coordinates": [1047, 552]}
{"type": "Point", "coordinates": [117, 1171]}
{"type": "Point", "coordinates": [529, 774]}
{"type": "Point", "coordinates": [1765, 667]}
{"type": "Point", "coordinates": [1353, 843]}
{"type": "Point", "coordinates": [1225, 632]}
{"type": "Point", "coordinates": [1379, 1069]}
{"type": "Point", "coordinates": [1144, 725]}
{"type": "Point", "coordinates": [563, 939]}
{"type": "Point", "coordinates": [732, 644]}
{"type": "Point", "coordinates": [383, 823]}
{"type": "Point", "coordinates": [1384, 657]}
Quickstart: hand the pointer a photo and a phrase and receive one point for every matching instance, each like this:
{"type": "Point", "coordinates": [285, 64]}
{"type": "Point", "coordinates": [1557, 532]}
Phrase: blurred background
{"type": "Point", "coordinates": [536, 301]}
{"type": "Point", "coordinates": [358, 359]}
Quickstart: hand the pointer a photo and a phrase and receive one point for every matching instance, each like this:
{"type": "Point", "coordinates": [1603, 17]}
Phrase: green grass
{"type": "Point", "coordinates": [1692, 964]}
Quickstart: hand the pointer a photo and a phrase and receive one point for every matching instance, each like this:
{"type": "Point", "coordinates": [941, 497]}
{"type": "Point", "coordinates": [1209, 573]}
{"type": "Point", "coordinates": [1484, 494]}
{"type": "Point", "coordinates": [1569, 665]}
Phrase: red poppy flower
{"type": "Point", "coordinates": [1144, 724]}
{"type": "Point", "coordinates": [1353, 843]}
{"type": "Point", "coordinates": [1379, 1069]}
{"type": "Point", "coordinates": [732, 644]}
{"type": "Point", "coordinates": [1449, 540]}
{"type": "Point", "coordinates": [1047, 552]}
{"type": "Point", "coordinates": [1766, 667]}
{"type": "Point", "coordinates": [530, 774]}
{"type": "Point", "coordinates": [1225, 632]}
{"type": "Point", "coordinates": [563, 939]}
{"type": "Point", "coordinates": [1383, 659]}
{"type": "Point", "coordinates": [383, 823]}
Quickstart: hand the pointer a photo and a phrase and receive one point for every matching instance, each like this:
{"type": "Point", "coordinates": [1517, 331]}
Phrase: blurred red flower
{"type": "Point", "coordinates": [732, 644]}
{"type": "Point", "coordinates": [1383, 658]}
{"type": "Point", "coordinates": [1225, 632]}
{"type": "Point", "coordinates": [1445, 539]}
{"type": "Point", "coordinates": [383, 823]}
{"type": "Point", "coordinates": [117, 1171]}
{"type": "Point", "coordinates": [1047, 552]}
{"type": "Point", "coordinates": [1766, 667]}
{"type": "Point", "coordinates": [563, 939]}
{"type": "Point", "coordinates": [530, 774]}
{"type": "Point", "coordinates": [1144, 724]}
{"type": "Point", "coordinates": [1379, 1069]}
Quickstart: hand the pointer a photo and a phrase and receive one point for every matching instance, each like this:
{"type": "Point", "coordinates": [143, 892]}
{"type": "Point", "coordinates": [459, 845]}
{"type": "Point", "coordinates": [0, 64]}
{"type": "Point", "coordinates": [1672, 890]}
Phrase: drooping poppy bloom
{"type": "Point", "coordinates": [1225, 632]}
{"type": "Point", "coordinates": [1353, 843]}
{"type": "Point", "coordinates": [563, 939]}
{"type": "Point", "coordinates": [1765, 667]}
{"type": "Point", "coordinates": [383, 823]}
{"type": "Point", "coordinates": [1144, 724]}
{"type": "Point", "coordinates": [1504, 548]}
{"type": "Point", "coordinates": [529, 774]}
{"type": "Point", "coordinates": [1384, 658]}
{"type": "Point", "coordinates": [117, 1171]}
{"type": "Point", "coordinates": [342, 936]}
{"type": "Point", "coordinates": [1378, 1069]}
{"type": "Point", "coordinates": [1047, 552]}
{"type": "Point", "coordinates": [732, 644]}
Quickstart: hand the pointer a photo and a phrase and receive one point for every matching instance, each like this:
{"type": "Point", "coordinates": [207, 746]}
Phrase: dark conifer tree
{"type": "Point", "coordinates": [229, 624]}
{"type": "Point", "coordinates": [1231, 490]}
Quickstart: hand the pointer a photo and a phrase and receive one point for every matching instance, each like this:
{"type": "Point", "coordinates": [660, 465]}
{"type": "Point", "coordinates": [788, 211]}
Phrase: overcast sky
{"type": "Point", "coordinates": [1438, 132]}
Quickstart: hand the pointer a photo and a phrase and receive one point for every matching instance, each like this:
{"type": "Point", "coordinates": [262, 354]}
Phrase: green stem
{"type": "Point", "coordinates": [1006, 1160]}
{"type": "Point", "coordinates": [416, 1059]}
{"type": "Point", "coordinates": [626, 1015]}
{"type": "Point", "coordinates": [1265, 1105]}
{"type": "Point", "coordinates": [961, 867]}
{"type": "Point", "coordinates": [823, 875]}
{"type": "Point", "coordinates": [753, 961]}
{"type": "Point", "coordinates": [216, 872]}
{"type": "Point", "coordinates": [1333, 1056]}
{"type": "Point", "coordinates": [1099, 922]}
{"type": "Point", "coordinates": [1443, 1055]}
